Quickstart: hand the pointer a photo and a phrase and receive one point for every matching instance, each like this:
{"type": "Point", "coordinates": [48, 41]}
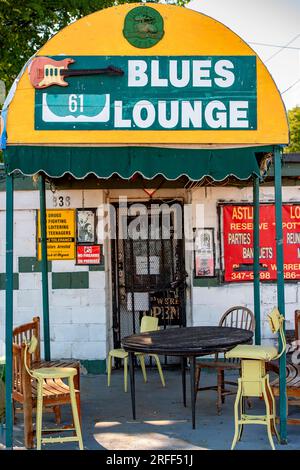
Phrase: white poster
{"type": "Point", "coordinates": [141, 301]}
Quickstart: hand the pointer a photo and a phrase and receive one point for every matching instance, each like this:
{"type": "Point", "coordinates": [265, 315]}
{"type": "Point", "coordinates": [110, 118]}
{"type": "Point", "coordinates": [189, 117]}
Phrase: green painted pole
{"type": "Point", "coordinates": [9, 281]}
{"type": "Point", "coordinates": [45, 289]}
{"type": "Point", "coordinates": [280, 292]}
{"type": "Point", "coordinates": [256, 267]}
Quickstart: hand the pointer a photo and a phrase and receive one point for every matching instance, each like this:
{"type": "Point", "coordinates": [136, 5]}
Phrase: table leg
{"type": "Point", "coordinates": [193, 394]}
{"type": "Point", "coordinates": [183, 377]}
{"type": "Point", "coordinates": [132, 382]}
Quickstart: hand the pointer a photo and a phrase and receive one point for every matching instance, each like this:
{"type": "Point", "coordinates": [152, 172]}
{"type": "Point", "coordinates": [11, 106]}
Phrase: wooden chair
{"type": "Point", "coordinates": [236, 317]}
{"type": "Point", "coordinates": [24, 388]}
{"type": "Point", "coordinates": [292, 376]}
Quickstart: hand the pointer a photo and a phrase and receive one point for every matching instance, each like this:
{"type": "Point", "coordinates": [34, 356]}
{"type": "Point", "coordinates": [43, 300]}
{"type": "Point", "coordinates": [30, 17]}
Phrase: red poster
{"type": "Point", "coordinates": [238, 242]}
{"type": "Point", "coordinates": [88, 254]}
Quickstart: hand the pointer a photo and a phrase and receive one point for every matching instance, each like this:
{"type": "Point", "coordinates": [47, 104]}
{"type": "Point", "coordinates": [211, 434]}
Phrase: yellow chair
{"type": "Point", "coordinates": [147, 324]}
{"type": "Point", "coordinates": [53, 373]}
{"type": "Point", "coordinates": [254, 381]}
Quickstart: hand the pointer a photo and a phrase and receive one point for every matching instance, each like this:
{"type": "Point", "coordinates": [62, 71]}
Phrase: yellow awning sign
{"type": "Point", "coordinates": [60, 234]}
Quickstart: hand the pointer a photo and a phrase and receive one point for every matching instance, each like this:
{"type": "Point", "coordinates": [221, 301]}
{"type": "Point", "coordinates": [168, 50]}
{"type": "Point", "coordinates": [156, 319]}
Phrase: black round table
{"type": "Point", "coordinates": [187, 342]}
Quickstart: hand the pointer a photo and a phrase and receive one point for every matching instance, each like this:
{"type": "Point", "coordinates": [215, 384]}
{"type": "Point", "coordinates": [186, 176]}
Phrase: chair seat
{"type": "Point", "coordinates": [54, 372]}
{"type": "Point", "coordinates": [245, 351]}
{"type": "Point", "coordinates": [120, 353]}
{"type": "Point", "coordinates": [292, 380]}
{"type": "Point", "coordinates": [56, 363]}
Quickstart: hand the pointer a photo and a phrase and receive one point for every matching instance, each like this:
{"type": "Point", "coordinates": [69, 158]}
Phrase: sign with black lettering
{"type": "Point", "coordinates": [60, 234]}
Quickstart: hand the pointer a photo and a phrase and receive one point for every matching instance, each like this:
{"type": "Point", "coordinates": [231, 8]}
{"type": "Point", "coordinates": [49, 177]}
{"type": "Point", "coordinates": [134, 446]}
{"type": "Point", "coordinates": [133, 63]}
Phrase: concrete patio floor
{"type": "Point", "coordinates": [162, 421]}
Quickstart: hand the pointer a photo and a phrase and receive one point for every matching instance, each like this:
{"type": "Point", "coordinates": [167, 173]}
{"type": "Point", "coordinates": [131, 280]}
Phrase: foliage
{"type": "Point", "coordinates": [25, 25]}
{"type": "Point", "coordinates": [294, 125]}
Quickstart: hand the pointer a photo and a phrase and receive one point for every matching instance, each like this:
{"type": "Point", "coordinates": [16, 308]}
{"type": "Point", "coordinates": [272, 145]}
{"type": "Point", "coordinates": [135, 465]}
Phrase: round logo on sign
{"type": "Point", "coordinates": [143, 27]}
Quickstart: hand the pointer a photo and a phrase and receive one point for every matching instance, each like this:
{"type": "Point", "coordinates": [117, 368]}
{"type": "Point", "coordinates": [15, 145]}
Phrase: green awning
{"type": "Point", "coordinates": [105, 162]}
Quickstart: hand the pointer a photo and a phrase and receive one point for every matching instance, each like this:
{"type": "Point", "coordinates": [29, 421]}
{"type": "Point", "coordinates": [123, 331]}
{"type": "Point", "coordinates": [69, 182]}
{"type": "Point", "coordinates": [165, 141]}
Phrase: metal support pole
{"type": "Point", "coordinates": [9, 280]}
{"type": "Point", "coordinates": [44, 262]}
{"type": "Point", "coordinates": [280, 292]}
{"type": "Point", "coordinates": [256, 266]}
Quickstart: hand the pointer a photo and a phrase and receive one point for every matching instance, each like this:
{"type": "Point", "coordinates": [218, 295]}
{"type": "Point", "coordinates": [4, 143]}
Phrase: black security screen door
{"type": "Point", "coordinates": [148, 269]}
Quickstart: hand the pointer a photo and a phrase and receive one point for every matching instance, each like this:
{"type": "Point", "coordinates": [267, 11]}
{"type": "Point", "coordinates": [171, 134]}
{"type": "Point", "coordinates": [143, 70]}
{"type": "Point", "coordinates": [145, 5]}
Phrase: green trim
{"type": "Point", "coordinates": [15, 281]}
{"type": "Point", "coordinates": [44, 266]}
{"type": "Point", "coordinates": [206, 282]}
{"type": "Point", "coordinates": [79, 280]}
{"type": "Point", "coordinates": [29, 264]}
{"type": "Point", "coordinates": [127, 161]}
{"type": "Point", "coordinates": [94, 366]}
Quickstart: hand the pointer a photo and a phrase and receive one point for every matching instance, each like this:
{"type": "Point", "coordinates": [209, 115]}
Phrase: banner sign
{"type": "Point", "coordinates": [88, 254]}
{"type": "Point", "coordinates": [145, 93]}
{"type": "Point", "coordinates": [60, 234]}
{"type": "Point", "coordinates": [238, 242]}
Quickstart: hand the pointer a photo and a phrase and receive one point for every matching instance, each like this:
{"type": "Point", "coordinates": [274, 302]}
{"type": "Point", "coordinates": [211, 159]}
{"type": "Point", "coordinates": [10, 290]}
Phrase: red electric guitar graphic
{"type": "Point", "coordinates": [44, 72]}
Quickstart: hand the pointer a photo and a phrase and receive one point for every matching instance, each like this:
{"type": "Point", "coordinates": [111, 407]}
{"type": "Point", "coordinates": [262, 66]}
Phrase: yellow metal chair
{"type": "Point", "coordinates": [47, 374]}
{"type": "Point", "coordinates": [147, 324]}
{"type": "Point", "coordinates": [254, 381]}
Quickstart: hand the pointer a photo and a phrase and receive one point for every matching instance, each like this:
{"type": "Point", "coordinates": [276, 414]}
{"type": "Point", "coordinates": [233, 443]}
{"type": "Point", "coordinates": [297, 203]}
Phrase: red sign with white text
{"type": "Point", "coordinates": [88, 254]}
{"type": "Point", "coordinates": [238, 242]}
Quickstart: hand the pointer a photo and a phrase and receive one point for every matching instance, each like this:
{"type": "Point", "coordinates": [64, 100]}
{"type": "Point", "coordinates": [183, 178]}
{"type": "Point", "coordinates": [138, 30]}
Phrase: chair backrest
{"type": "Point", "coordinates": [276, 322]}
{"type": "Point", "coordinates": [238, 317]}
{"type": "Point", "coordinates": [149, 324]}
{"type": "Point", "coordinates": [23, 334]}
{"type": "Point", "coordinates": [297, 325]}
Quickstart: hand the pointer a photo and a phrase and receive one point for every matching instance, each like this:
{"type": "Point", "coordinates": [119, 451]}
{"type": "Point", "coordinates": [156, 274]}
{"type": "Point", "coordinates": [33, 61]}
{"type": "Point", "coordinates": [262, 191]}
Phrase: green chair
{"type": "Point", "coordinates": [254, 381]}
{"type": "Point", "coordinates": [147, 324]}
{"type": "Point", "coordinates": [47, 374]}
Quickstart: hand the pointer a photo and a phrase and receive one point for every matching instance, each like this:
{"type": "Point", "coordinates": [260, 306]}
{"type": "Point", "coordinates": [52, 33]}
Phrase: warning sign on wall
{"type": "Point", "coordinates": [238, 242]}
{"type": "Point", "coordinates": [60, 234]}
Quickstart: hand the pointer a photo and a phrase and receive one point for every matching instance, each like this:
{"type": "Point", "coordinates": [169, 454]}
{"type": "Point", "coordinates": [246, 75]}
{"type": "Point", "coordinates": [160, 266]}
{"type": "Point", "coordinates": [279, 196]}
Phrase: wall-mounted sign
{"type": "Point", "coordinates": [45, 72]}
{"type": "Point", "coordinates": [166, 309]}
{"type": "Point", "coordinates": [162, 93]}
{"type": "Point", "coordinates": [60, 234]}
{"type": "Point", "coordinates": [88, 254]}
{"type": "Point", "coordinates": [238, 242]}
{"type": "Point", "coordinates": [86, 226]}
{"type": "Point", "coordinates": [204, 252]}
{"type": "Point", "coordinates": [143, 27]}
